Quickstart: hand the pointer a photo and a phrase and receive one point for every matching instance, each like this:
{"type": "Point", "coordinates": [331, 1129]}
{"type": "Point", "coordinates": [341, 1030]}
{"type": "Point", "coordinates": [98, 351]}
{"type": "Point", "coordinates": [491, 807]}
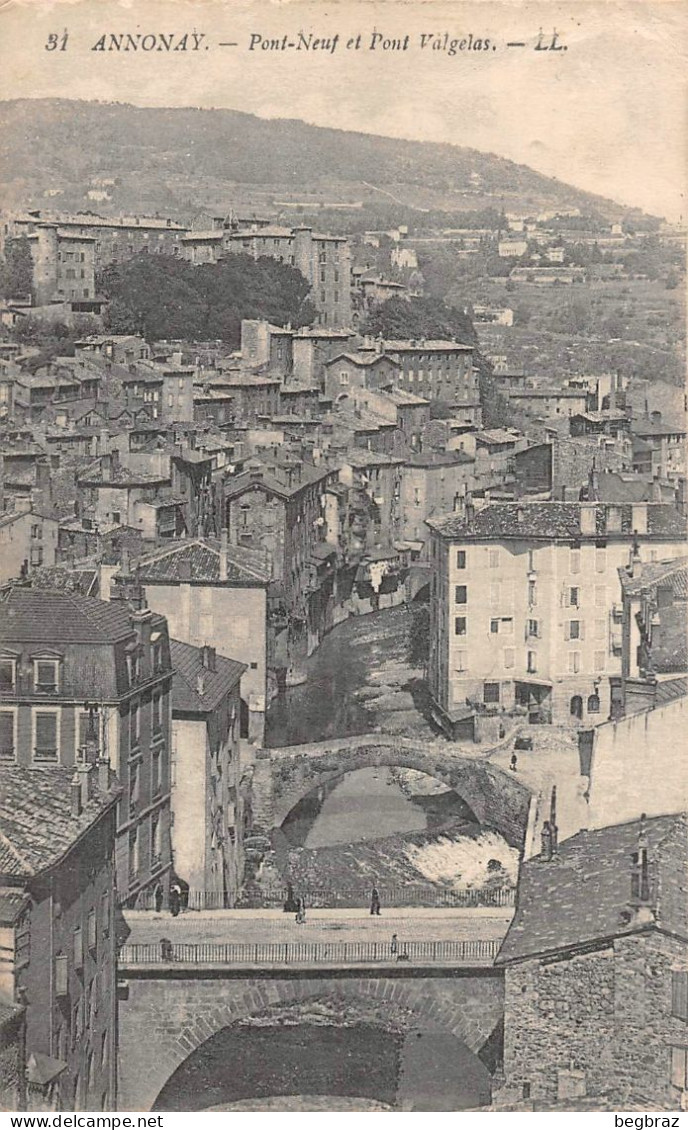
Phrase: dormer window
{"type": "Point", "coordinates": [133, 667]}
{"type": "Point", "coordinates": [8, 674]}
{"type": "Point", "coordinates": [46, 675]}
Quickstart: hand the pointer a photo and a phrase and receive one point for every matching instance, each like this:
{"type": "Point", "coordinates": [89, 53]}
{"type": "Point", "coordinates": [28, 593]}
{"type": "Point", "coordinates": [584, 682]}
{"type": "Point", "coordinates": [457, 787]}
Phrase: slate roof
{"type": "Point", "coordinates": [363, 360]}
{"type": "Point", "coordinates": [38, 615]}
{"type": "Point", "coordinates": [670, 689]}
{"type": "Point", "coordinates": [37, 827]}
{"type": "Point", "coordinates": [202, 558]}
{"type": "Point", "coordinates": [246, 480]}
{"type": "Point", "coordinates": [583, 894]}
{"type": "Point", "coordinates": [554, 520]}
{"type": "Point", "coordinates": [430, 346]}
{"type": "Point", "coordinates": [187, 665]}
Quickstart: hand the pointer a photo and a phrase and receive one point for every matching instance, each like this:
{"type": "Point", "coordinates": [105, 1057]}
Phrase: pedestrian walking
{"type": "Point", "coordinates": [375, 901]}
{"type": "Point", "coordinates": [175, 899]}
{"type": "Point", "coordinates": [394, 947]}
{"type": "Point", "coordinates": [290, 901]}
{"type": "Point", "coordinates": [166, 952]}
{"type": "Point", "coordinates": [514, 762]}
{"type": "Point", "coordinates": [300, 911]}
{"type": "Point", "coordinates": [158, 897]}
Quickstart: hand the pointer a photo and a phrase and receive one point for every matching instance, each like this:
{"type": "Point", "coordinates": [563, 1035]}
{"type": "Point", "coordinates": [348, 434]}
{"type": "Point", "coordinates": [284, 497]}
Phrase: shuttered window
{"type": "Point", "coordinates": [6, 735]}
{"type": "Point", "coordinates": [45, 748]}
{"type": "Point", "coordinates": [679, 994]}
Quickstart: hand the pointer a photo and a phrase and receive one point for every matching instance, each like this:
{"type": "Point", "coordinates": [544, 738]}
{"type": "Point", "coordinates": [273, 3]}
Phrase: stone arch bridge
{"type": "Point", "coordinates": [500, 800]}
{"type": "Point", "coordinates": [168, 1014]}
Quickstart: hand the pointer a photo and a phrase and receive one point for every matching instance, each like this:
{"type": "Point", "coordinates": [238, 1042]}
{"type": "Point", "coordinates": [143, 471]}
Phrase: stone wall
{"type": "Point", "coordinates": [594, 1024]}
{"type": "Point", "coordinates": [164, 1017]}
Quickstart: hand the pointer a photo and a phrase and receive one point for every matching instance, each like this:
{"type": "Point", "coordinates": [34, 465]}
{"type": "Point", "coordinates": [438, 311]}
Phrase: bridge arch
{"type": "Point", "coordinates": [179, 1016]}
{"type": "Point", "coordinates": [497, 798]}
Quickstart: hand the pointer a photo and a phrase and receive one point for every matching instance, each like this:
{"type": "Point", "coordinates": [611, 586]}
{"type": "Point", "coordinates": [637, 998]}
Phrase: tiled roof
{"type": "Point", "coordinates": [673, 572]}
{"type": "Point", "coordinates": [248, 479]}
{"type": "Point", "coordinates": [668, 690]}
{"type": "Point", "coordinates": [36, 821]}
{"type": "Point", "coordinates": [84, 582]}
{"type": "Point", "coordinates": [188, 669]}
{"type": "Point", "coordinates": [552, 520]}
{"type": "Point", "coordinates": [50, 617]}
{"type": "Point", "coordinates": [363, 360]}
{"type": "Point", "coordinates": [12, 902]}
{"type": "Point", "coordinates": [583, 894]}
{"type": "Point", "coordinates": [426, 346]}
{"type": "Point", "coordinates": [200, 559]}
{"type": "Point", "coordinates": [371, 459]}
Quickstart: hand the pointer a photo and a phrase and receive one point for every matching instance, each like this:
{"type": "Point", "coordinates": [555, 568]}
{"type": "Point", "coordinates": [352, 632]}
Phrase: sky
{"type": "Point", "coordinates": [609, 114]}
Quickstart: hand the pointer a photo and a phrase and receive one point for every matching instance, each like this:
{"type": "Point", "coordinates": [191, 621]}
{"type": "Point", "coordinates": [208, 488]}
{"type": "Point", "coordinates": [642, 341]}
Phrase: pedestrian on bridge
{"type": "Point", "coordinates": [375, 901]}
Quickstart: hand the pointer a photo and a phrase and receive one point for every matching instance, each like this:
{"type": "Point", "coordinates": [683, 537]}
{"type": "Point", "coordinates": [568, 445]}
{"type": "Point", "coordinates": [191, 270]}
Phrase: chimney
{"type": "Point", "coordinates": [470, 510]}
{"type": "Point", "coordinates": [223, 555]}
{"type": "Point", "coordinates": [85, 776]}
{"type": "Point", "coordinates": [200, 684]}
{"type": "Point", "coordinates": [103, 774]}
{"type": "Point", "coordinates": [634, 561]}
{"type": "Point", "coordinates": [614, 519]}
{"type": "Point", "coordinates": [641, 895]}
{"type": "Point", "coordinates": [639, 518]}
{"type": "Point", "coordinates": [208, 658]}
{"type": "Point", "coordinates": [588, 519]}
{"type": "Point", "coordinates": [75, 796]}
{"type": "Point", "coordinates": [553, 820]}
{"type": "Point", "coordinates": [546, 837]}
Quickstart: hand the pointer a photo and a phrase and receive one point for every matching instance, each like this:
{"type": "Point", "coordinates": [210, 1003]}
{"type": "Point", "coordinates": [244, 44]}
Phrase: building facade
{"type": "Point", "coordinates": [525, 602]}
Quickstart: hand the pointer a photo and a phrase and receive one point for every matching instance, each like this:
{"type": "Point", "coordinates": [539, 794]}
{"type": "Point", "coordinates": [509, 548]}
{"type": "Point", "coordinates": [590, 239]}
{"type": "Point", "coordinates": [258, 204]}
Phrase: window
{"type": "Point", "coordinates": [493, 558]}
{"type": "Point", "coordinates": [61, 975]}
{"type": "Point", "coordinates": [532, 593]}
{"type": "Point", "coordinates": [494, 627]}
{"type": "Point", "coordinates": [593, 704]}
{"type": "Point", "coordinates": [600, 660]}
{"type": "Point", "coordinates": [574, 597]}
{"type": "Point", "coordinates": [509, 657]}
{"type": "Point", "coordinates": [45, 674]}
{"type": "Point", "coordinates": [156, 708]}
{"type": "Point", "coordinates": [532, 662]}
{"type": "Point", "coordinates": [460, 594]}
{"type": "Point", "coordinates": [679, 994]}
{"type": "Point", "coordinates": [105, 914]}
{"type": "Point", "coordinates": [343, 378]}
{"type": "Point", "coordinates": [574, 662]}
{"type": "Point", "coordinates": [78, 948]}
{"type": "Point", "coordinates": [460, 660]}
{"type": "Point", "coordinates": [460, 626]}
{"type": "Point", "coordinates": [45, 747]}
{"type": "Point", "coordinates": [156, 838]}
{"type": "Point", "coordinates": [679, 1068]}
{"type": "Point", "coordinates": [133, 667]}
{"type": "Point", "coordinates": [461, 559]}
{"type": "Point", "coordinates": [574, 630]}
{"type": "Point", "coordinates": [156, 657]}
{"type": "Point", "coordinates": [134, 725]}
{"type": "Point", "coordinates": [156, 770]}
{"type": "Point", "coordinates": [490, 692]}
{"type": "Point", "coordinates": [600, 560]}
{"type": "Point", "coordinates": [7, 735]}
{"type": "Point", "coordinates": [507, 625]}
{"type": "Point", "coordinates": [92, 930]}
{"type": "Point", "coordinates": [134, 862]}
{"type": "Point", "coordinates": [533, 629]}
{"type": "Point", "coordinates": [575, 561]}
{"type": "Point", "coordinates": [134, 789]}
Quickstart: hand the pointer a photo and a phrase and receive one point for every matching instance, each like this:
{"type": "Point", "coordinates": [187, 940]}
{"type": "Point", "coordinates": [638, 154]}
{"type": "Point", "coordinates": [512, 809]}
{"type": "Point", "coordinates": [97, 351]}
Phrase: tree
{"type": "Point", "coordinates": [16, 269]}
{"type": "Point", "coordinates": [162, 297]}
{"type": "Point", "coordinates": [416, 318]}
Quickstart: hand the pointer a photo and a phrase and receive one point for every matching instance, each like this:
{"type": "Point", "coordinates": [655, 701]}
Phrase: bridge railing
{"type": "Point", "coordinates": [467, 952]}
{"type": "Point", "coordinates": [331, 898]}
